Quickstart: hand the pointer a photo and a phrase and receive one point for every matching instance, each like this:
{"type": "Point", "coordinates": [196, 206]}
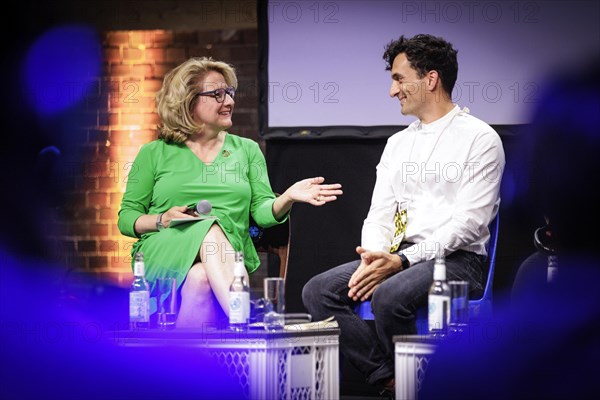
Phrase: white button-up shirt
{"type": "Point", "coordinates": [449, 171]}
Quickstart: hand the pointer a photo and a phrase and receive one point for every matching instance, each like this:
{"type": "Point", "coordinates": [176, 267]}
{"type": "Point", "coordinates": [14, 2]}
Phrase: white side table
{"type": "Point", "coordinates": [268, 365]}
{"type": "Point", "coordinates": [412, 356]}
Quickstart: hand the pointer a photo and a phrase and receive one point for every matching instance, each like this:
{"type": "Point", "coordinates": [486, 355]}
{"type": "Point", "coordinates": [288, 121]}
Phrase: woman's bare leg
{"type": "Point", "coordinates": [207, 283]}
{"type": "Point", "coordinates": [218, 257]}
{"type": "Point", "coordinates": [198, 305]}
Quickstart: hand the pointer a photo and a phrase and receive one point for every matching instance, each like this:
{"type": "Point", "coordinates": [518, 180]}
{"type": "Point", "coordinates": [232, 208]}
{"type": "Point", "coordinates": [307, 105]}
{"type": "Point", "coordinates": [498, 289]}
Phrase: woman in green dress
{"type": "Point", "coordinates": [194, 159]}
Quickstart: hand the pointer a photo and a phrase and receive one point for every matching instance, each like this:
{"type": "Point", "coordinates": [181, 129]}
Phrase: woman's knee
{"type": "Point", "coordinates": [196, 282]}
{"type": "Point", "coordinates": [215, 243]}
{"type": "Point", "coordinates": [215, 235]}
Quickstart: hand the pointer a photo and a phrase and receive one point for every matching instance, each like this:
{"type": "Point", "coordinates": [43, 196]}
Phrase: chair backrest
{"type": "Point", "coordinates": [482, 308]}
{"type": "Point", "coordinates": [273, 240]}
{"type": "Point", "coordinates": [491, 258]}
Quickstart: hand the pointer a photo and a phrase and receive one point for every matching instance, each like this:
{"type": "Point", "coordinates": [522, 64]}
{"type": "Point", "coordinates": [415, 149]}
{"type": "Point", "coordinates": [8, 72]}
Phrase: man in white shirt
{"type": "Point", "coordinates": [447, 167]}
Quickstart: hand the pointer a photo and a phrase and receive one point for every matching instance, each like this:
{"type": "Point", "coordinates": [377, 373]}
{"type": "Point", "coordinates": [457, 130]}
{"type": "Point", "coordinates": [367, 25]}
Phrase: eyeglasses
{"type": "Point", "coordinates": [219, 94]}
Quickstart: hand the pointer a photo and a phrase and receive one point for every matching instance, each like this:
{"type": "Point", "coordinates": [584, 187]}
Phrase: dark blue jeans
{"type": "Point", "coordinates": [394, 303]}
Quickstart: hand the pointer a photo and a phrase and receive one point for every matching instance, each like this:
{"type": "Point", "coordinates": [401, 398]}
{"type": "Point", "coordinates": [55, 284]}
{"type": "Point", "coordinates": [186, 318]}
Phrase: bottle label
{"type": "Point", "coordinates": [239, 307]}
{"type": "Point", "coordinates": [139, 306]}
{"type": "Point", "coordinates": [138, 268]}
{"type": "Point", "coordinates": [439, 315]}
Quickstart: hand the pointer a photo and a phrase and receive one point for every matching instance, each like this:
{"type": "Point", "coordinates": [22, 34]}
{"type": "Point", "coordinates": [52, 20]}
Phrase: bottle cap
{"type": "Point", "coordinates": [138, 265]}
{"type": "Point", "coordinates": [439, 270]}
{"type": "Point", "coordinates": [239, 268]}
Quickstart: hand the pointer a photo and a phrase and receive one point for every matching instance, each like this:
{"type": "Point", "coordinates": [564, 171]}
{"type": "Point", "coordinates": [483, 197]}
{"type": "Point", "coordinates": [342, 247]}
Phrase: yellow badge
{"type": "Point", "coordinates": [400, 221]}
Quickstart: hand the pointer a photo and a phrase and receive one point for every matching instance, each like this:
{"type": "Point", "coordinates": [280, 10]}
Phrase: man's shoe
{"type": "Point", "coordinates": [388, 390]}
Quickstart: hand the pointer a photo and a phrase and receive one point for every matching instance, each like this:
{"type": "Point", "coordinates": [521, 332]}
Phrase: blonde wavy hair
{"type": "Point", "coordinates": [179, 95]}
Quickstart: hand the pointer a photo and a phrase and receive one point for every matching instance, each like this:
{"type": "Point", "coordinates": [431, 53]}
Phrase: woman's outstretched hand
{"type": "Point", "coordinates": [313, 191]}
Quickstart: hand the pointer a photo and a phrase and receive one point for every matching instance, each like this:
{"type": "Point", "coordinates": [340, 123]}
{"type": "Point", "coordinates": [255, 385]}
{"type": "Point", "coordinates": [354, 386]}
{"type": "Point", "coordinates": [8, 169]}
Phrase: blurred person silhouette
{"type": "Point", "coordinates": [546, 345]}
{"type": "Point", "coordinates": [49, 349]}
{"type": "Point", "coordinates": [194, 159]}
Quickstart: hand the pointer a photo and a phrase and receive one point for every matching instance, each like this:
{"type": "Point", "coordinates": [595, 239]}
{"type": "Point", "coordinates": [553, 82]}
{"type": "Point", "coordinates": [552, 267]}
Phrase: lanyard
{"type": "Point", "coordinates": [412, 147]}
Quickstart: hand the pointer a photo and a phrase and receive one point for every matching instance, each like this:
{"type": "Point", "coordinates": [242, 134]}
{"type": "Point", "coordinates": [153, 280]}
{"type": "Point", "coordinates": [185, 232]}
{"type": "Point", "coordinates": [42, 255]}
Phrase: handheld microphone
{"type": "Point", "coordinates": [203, 207]}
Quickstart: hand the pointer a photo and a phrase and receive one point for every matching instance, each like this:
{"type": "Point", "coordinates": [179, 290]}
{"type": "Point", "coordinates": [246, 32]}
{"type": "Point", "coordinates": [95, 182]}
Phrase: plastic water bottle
{"type": "Point", "coordinates": [239, 296]}
{"type": "Point", "coordinates": [139, 296]}
{"type": "Point", "coordinates": [439, 298]}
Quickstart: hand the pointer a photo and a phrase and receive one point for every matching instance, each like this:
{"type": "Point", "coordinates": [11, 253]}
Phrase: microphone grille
{"type": "Point", "coordinates": [203, 207]}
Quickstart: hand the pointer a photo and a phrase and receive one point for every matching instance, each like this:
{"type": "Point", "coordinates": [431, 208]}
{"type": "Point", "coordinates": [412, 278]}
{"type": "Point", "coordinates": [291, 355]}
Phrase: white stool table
{"type": "Point", "coordinates": [268, 365]}
{"type": "Point", "coordinates": [412, 354]}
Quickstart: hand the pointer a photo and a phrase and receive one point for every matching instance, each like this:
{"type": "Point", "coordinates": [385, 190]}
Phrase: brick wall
{"type": "Point", "coordinates": [121, 118]}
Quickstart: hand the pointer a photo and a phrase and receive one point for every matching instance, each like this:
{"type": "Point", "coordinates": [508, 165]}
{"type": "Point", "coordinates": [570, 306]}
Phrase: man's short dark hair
{"type": "Point", "coordinates": [426, 53]}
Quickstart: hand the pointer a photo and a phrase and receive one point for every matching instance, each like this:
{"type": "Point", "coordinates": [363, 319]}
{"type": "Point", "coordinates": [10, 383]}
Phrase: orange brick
{"type": "Point", "coordinates": [141, 139]}
{"type": "Point", "coordinates": [160, 70]}
{"type": "Point", "coordinates": [145, 136]}
{"type": "Point", "coordinates": [87, 245]}
{"type": "Point", "coordinates": [79, 228]}
{"type": "Point", "coordinates": [98, 262]}
{"type": "Point", "coordinates": [119, 137]}
{"type": "Point", "coordinates": [96, 199]}
{"type": "Point", "coordinates": [142, 71]}
{"type": "Point", "coordinates": [113, 119]}
{"type": "Point", "coordinates": [144, 38]}
{"type": "Point", "coordinates": [150, 119]}
{"type": "Point", "coordinates": [130, 54]}
{"type": "Point", "coordinates": [144, 104]}
{"type": "Point", "coordinates": [98, 230]}
{"type": "Point", "coordinates": [112, 55]}
{"type": "Point", "coordinates": [102, 168]}
{"type": "Point", "coordinates": [109, 185]}
{"type": "Point", "coordinates": [111, 86]}
{"type": "Point", "coordinates": [115, 199]}
{"type": "Point", "coordinates": [86, 214]}
{"type": "Point", "coordinates": [151, 86]}
{"type": "Point", "coordinates": [124, 152]}
{"type": "Point", "coordinates": [120, 70]}
{"type": "Point", "coordinates": [131, 118]}
{"type": "Point", "coordinates": [155, 55]}
{"type": "Point", "coordinates": [109, 246]}
{"type": "Point", "coordinates": [117, 38]}
{"type": "Point", "coordinates": [162, 37]}
{"type": "Point", "coordinates": [128, 93]}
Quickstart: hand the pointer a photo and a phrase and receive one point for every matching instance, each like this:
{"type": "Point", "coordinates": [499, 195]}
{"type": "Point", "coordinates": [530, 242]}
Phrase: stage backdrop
{"type": "Point", "coordinates": [325, 63]}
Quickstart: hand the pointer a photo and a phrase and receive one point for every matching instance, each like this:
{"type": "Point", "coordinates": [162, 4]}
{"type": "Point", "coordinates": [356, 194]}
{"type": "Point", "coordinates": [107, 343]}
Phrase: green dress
{"type": "Point", "coordinates": [164, 175]}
